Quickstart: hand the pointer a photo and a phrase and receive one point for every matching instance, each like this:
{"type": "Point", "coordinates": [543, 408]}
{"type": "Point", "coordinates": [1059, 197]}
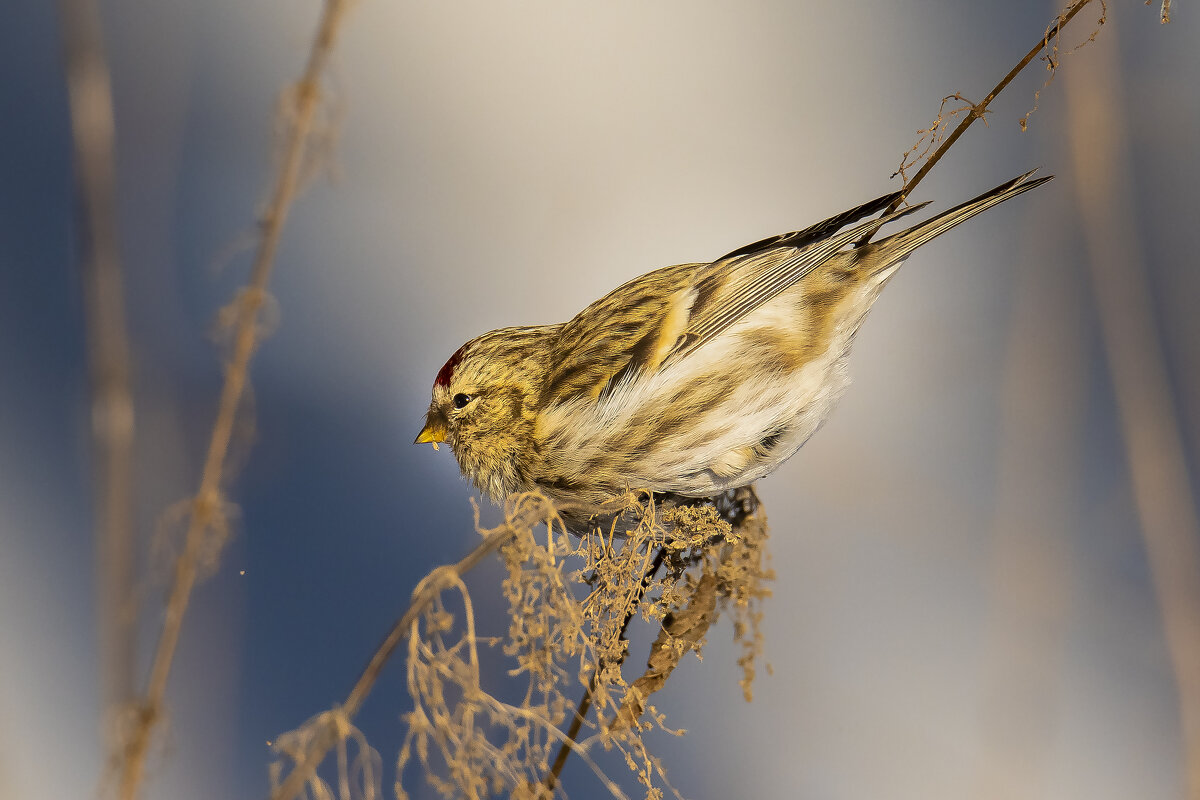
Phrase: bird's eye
{"type": "Point", "coordinates": [460, 400]}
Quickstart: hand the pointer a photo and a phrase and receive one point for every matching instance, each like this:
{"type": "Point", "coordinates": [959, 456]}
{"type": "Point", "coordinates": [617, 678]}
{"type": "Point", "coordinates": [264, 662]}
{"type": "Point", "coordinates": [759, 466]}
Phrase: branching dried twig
{"type": "Point", "coordinates": [205, 515]}
{"type": "Point", "coordinates": [1164, 14]}
{"type": "Point", "coordinates": [978, 110]}
{"type": "Point", "coordinates": [680, 634]}
{"type": "Point", "coordinates": [930, 137]}
{"type": "Point", "coordinates": [473, 744]}
{"type": "Point", "coordinates": [733, 572]}
{"type": "Point", "coordinates": [585, 702]}
{"type": "Point", "coordinates": [332, 730]}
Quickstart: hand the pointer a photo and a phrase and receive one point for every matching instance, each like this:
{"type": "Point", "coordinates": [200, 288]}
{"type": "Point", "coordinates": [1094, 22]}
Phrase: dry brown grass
{"type": "Point", "coordinates": [570, 601]}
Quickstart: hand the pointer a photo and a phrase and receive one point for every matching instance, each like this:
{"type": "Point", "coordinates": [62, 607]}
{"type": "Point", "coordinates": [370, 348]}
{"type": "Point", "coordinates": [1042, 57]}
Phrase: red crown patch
{"type": "Point", "coordinates": [447, 371]}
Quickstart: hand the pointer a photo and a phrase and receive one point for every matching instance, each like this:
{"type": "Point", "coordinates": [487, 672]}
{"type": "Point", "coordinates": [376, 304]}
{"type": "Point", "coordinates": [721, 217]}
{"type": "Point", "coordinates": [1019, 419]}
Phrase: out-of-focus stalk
{"type": "Point", "coordinates": [89, 93]}
{"type": "Point", "coordinates": [205, 519]}
{"type": "Point", "coordinates": [1158, 469]}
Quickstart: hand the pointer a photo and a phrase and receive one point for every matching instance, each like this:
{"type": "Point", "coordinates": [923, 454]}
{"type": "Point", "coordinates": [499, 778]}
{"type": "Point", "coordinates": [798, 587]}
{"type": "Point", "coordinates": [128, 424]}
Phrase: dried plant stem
{"type": "Point", "coordinates": [560, 759]}
{"type": "Point", "coordinates": [979, 109]}
{"type": "Point", "coordinates": [585, 702]}
{"type": "Point", "coordinates": [682, 632]}
{"type": "Point", "coordinates": [1157, 465]}
{"type": "Point", "coordinates": [90, 94]}
{"type": "Point", "coordinates": [430, 587]}
{"type": "Point", "coordinates": [205, 505]}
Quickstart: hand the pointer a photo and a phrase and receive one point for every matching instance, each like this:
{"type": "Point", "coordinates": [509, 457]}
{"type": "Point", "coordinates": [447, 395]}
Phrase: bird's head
{"type": "Point", "coordinates": [483, 406]}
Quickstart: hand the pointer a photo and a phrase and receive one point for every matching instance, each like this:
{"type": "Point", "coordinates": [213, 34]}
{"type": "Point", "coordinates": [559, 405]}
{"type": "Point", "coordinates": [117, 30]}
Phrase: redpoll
{"type": "Point", "coordinates": [690, 380]}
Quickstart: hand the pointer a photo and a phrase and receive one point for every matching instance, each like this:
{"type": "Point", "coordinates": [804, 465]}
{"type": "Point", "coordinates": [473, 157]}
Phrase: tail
{"type": "Point", "coordinates": [896, 247]}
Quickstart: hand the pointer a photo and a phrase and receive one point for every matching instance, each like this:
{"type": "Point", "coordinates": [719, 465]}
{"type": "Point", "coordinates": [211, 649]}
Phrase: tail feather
{"type": "Point", "coordinates": [897, 246]}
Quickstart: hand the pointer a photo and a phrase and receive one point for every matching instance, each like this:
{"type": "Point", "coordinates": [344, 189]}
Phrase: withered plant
{"type": "Point", "coordinates": [570, 601]}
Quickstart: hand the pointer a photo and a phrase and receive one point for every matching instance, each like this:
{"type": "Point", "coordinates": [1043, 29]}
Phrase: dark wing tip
{"type": "Point", "coordinates": [815, 233]}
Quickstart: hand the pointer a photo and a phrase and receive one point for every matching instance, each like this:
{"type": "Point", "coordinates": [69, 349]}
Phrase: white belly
{"type": "Point", "coordinates": [746, 434]}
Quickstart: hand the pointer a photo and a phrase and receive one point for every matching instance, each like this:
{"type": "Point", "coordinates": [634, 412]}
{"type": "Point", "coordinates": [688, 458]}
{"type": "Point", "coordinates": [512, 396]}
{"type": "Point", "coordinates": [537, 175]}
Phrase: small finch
{"type": "Point", "coordinates": [690, 380]}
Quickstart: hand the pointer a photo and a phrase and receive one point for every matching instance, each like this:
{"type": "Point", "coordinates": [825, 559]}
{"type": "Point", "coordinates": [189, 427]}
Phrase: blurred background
{"type": "Point", "coordinates": [966, 602]}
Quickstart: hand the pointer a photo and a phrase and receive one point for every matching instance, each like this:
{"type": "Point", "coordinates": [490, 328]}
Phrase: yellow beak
{"type": "Point", "coordinates": [433, 433]}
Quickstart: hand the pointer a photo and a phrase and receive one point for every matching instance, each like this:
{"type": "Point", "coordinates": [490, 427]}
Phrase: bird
{"type": "Point", "coordinates": [688, 381]}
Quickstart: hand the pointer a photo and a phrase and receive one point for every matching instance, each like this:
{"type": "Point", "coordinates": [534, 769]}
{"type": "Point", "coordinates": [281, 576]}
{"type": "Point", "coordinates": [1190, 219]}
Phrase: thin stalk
{"type": "Point", "coordinates": [979, 109]}
{"type": "Point", "coordinates": [89, 91]}
{"type": "Point", "coordinates": [585, 702]}
{"type": "Point", "coordinates": [205, 511]}
{"type": "Point", "coordinates": [429, 588]}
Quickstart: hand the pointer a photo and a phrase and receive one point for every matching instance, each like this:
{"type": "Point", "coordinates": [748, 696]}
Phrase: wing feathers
{"type": "Point", "coordinates": [901, 244]}
{"type": "Point", "coordinates": [657, 319]}
{"type": "Point", "coordinates": [815, 233]}
{"type": "Point", "coordinates": [653, 348]}
{"type": "Point", "coordinates": [757, 278]}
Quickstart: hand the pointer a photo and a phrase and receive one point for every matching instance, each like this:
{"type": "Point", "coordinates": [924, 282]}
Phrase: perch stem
{"type": "Point", "coordinates": [979, 109]}
{"type": "Point", "coordinates": [585, 702]}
